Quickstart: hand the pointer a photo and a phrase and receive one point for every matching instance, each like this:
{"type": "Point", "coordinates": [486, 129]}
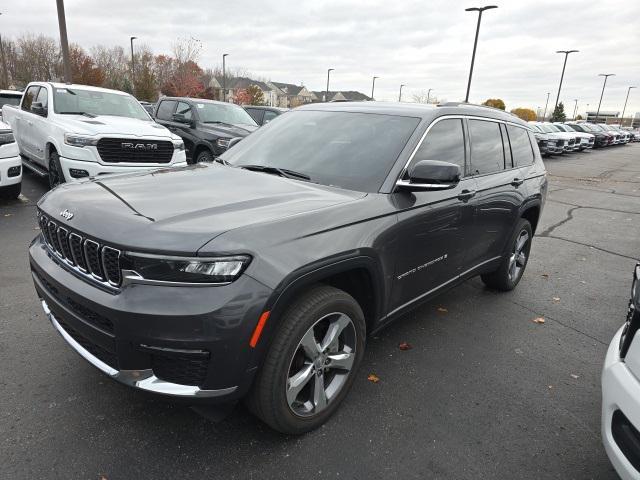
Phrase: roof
{"type": "Point", "coordinates": [17, 93]}
{"type": "Point", "coordinates": [244, 82]}
{"type": "Point", "coordinates": [266, 107]}
{"type": "Point", "coordinates": [349, 95]}
{"type": "Point", "coordinates": [195, 100]}
{"type": "Point", "coordinates": [289, 88]}
{"type": "Point", "coordinates": [83, 87]}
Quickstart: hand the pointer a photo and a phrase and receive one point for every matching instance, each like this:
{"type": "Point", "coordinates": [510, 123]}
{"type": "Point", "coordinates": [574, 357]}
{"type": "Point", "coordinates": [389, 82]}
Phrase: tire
{"type": "Point", "coordinates": [512, 267]}
{"type": "Point", "coordinates": [204, 156]}
{"type": "Point", "coordinates": [273, 397]}
{"type": "Point", "coordinates": [11, 191]}
{"type": "Point", "coordinates": [56, 177]}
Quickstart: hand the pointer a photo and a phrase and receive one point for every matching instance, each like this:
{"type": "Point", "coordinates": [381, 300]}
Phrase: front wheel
{"type": "Point", "coordinates": [511, 269]}
{"type": "Point", "coordinates": [311, 363]}
{"type": "Point", "coordinates": [56, 177]}
{"type": "Point", "coordinates": [204, 156]}
{"type": "Point", "coordinates": [11, 191]}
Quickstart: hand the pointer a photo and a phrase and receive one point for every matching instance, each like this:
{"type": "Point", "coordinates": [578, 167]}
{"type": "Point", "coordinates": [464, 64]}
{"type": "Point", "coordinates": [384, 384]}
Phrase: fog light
{"type": "Point", "coordinates": [77, 173]}
{"type": "Point", "coordinates": [14, 171]}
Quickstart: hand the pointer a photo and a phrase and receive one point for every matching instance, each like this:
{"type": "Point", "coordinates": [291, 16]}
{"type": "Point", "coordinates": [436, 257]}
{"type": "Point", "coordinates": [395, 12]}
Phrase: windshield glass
{"type": "Point", "coordinates": [567, 128]}
{"type": "Point", "coordinates": [345, 149]}
{"type": "Point", "coordinates": [6, 99]}
{"type": "Point", "coordinates": [547, 129]}
{"type": "Point", "coordinates": [216, 112]}
{"type": "Point", "coordinates": [553, 128]}
{"type": "Point", "coordinates": [79, 101]}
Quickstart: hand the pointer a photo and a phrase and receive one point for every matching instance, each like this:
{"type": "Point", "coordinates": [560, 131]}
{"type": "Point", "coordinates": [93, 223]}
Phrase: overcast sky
{"type": "Point", "coordinates": [423, 44]}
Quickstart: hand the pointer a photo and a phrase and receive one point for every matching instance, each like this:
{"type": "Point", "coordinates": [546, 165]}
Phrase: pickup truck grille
{"type": "Point", "coordinates": [91, 259]}
{"type": "Point", "coordinates": [132, 150]}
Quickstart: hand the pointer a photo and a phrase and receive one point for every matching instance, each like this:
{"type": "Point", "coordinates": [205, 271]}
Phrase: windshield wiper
{"type": "Point", "coordinates": [220, 123]}
{"type": "Point", "coordinates": [86, 114]}
{"type": "Point", "coordinates": [283, 172]}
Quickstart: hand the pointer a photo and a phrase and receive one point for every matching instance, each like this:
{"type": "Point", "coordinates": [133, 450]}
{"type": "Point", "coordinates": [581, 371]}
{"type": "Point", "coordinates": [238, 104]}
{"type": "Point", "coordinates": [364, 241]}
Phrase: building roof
{"type": "Point", "coordinates": [289, 88]}
{"type": "Point", "coordinates": [350, 95]}
{"type": "Point", "coordinates": [244, 82]}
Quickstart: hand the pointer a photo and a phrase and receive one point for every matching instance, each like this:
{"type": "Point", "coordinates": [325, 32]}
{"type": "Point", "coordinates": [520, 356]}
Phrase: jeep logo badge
{"type": "Point", "coordinates": [66, 214]}
{"type": "Point", "coordinates": [139, 146]}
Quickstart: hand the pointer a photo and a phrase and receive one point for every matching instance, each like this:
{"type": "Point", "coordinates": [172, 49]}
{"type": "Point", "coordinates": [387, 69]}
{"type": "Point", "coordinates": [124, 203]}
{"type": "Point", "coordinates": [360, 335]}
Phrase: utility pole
{"type": "Point", "coordinates": [429, 95]}
{"type": "Point", "coordinates": [400, 96]}
{"type": "Point", "coordinates": [575, 109]}
{"type": "Point", "coordinates": [544, 115]}
{"type": "Point", "coordinates": [326, 97]}
{"type": "Point", "coordinates": [64, 43]}
{"type": "Point", "coordinates": [475, 43]}
{"type": "Point", "coordinates": [4, 63]}
{"type": "Point", "coordinates": [566, 55]}
{"type": "Point", "coordinates": [625, 107]}
{"type": "Point", "coordinates": [133, 67]}
{"type": "Point", "coordinates": [373, 87]}
{"type": "Point", "coordinates": [224, 77]}
{"type": "Point", "coordinates": [605, 75]}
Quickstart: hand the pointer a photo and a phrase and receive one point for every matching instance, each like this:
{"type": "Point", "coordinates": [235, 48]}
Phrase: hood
{"type": "Point", "coordinates": [236, 130]}
{"type": "Point", "coordinates": [178, 210]}
{"type": "Point", "coordinates": [112, 125]}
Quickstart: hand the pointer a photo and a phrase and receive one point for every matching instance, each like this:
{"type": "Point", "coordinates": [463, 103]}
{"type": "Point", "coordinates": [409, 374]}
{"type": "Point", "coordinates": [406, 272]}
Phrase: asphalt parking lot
{"type": "Point", "coordinates": [485, 392]}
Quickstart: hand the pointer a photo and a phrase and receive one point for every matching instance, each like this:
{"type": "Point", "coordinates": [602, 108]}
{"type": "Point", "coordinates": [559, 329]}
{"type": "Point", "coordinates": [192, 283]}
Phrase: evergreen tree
{"type": "Point", "coordinates": [558, 113]}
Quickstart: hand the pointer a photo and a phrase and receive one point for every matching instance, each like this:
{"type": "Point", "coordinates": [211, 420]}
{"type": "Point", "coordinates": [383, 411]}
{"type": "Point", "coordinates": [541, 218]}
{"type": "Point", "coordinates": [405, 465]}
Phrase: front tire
{"type": "Point", "coordinates": [11, 191]}
{"type": "Point", "coordinates": [512, 267]}
{"type": "Point", "coordinates": [56, 177]}
{"type": "Point", "coordinates": [311, 364]}
{"type": "Point", "coordinates": [204, 156]}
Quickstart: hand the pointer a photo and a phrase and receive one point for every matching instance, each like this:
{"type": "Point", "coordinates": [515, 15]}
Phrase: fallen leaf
{"type": "Point", "coordinates": [556, 299]}
{"type": "Point", "coordinates": [442, 310]}
{"type": "Point", "coordinates": [550, 387]}
{"type": "Point", "coordinates": [545, 275]}
{"type": "Point", "coordinates": [373, 378]}
{"type": "Point", "coordinates": [538, 320]}
{"type": "Point", "coordinates": [405, 346]}
{"type": "Point", "coordinates": [8, 214]}
{"type": "Point", "coordinates": [574, 376]}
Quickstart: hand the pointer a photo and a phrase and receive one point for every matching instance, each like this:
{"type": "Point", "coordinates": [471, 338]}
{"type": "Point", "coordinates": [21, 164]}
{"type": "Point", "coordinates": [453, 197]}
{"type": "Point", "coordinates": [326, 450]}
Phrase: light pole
{"type": "Point", "coordinates": [64, 44]}
{"type": "Point", "coordinates": [566, 55]}
{"type": "Point", "coordinates": [475, 43]}
{"type": "Point", "coordinates": [373, 87]}
{"type": "Point", "coordinates": [544, 115]}
{"type": "Point", "coordinates": [605, 75]}
{"type": "Point", "coordinates": [400, 96]}
{"type": "Point", "coordinates": [625, 107]}
{"type": "Point", "coordinates": [429, 95]}
{"type": "Point", "coordinates": [4, 64]}
{"type": "Point", "coordinates": [326, 96]}
{"type": "Point", "coordinates": [575, 109]}
{"type": "Point", "coordinates": [133, 66]}
{"type": "Point", "coordinates": [224, 77]}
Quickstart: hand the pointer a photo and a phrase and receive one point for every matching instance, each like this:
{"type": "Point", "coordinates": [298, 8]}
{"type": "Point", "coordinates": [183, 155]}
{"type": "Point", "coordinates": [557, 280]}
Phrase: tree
{"type": "Point", "coordinates": [83, 69]}
{"type": "Point", "coordinates": [579, 117]}
{"type": "Point", "coordinates": [242, 97]}
{"type": "Point", "coordinates": [495, 103]}
{"type": "Point", "coordinates": [525, 114]}
{"type": "Point", "coordinates": [185, 82]}
{"type": "Point", "coordinates": [256, 94]}
{"type": "Point", "coordinates": [558, 114]}
{"type": "Point", "coordinates": [115, 66]}
{"type": "Point", "coordinates": [145, 82]}
{"type": "Point", "coordinates": [423, 97]}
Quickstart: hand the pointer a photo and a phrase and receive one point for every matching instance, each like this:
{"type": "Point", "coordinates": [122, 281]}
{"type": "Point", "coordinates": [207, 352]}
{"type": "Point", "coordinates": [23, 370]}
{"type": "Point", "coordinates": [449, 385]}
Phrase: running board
{"type": "Point", "coordinates": [37, 169]}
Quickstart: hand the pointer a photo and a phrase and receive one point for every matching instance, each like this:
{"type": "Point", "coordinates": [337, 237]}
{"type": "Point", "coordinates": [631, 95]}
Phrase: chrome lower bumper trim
{"type": "Point", "coordinates": [141, 379]}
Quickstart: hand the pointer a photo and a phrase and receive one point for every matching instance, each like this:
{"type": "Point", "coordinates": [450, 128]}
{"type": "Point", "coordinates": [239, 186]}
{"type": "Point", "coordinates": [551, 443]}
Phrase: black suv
{"type": "Point", "coordinates": [207, 127]}
{"type": "Point", "coordinates": [260, 275]}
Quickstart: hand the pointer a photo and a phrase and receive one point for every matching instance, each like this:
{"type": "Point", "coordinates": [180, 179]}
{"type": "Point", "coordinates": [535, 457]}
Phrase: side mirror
{"type": "Point", "coordinates": [431, 175]}
{"type": "Point", "coordinates": [38, 109]}
{"type": "Point", "coordinates": [180, 118]}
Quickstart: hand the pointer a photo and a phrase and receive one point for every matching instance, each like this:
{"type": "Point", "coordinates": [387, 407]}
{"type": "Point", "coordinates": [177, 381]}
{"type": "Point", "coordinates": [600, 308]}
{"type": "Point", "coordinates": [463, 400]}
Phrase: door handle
{"type": "Point", "coordinates": [517, 182]}
{"type": "Point", "coordinates": [466, 194]}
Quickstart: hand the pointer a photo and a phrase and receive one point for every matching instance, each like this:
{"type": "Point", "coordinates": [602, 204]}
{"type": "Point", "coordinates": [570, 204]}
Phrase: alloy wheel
{"type": "Point", "coordinates": [518, 258]}
{"type": "Point", "coordinates": [321, 364]}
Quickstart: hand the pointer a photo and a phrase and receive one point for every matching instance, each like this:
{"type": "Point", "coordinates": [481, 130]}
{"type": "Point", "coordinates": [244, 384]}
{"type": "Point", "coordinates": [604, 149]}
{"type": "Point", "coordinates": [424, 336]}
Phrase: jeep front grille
{"type": "Point", "coordinates": [131, 150]}
{"type": "Point", "coordinates": [91, 259]}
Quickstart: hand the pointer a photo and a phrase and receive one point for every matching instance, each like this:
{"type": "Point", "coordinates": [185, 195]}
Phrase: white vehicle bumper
{"type": "Point", "coordinates": [10, 162]}
{"type": "Point", "coordinates": [620, 391]}
{"type": "Point", "coordinates": [94, 168]}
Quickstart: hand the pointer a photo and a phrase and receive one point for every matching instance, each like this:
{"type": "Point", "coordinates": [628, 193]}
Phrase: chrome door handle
{"type": "Point", "coordinates": [466, 194]}
{"type": "Point", "coordinates": [517, 182]}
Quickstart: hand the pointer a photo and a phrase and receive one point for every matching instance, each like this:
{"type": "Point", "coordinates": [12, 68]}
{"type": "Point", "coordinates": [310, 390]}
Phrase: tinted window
{"type": "Point", "coordinates": [210, 112]}
{"type": "Point", "coordinates": [29, 98]}
{"type": "Point", "coordinates": [349, 150]}
{"type": "Point", "coordinates": [520, 146]}
{"type": "Point", "coordinates": [184, 109]}
{"type": "Point", "coordinates": [255, 114]}
{"type": "Point", "coordinates": [268, 116]}
{"type": "Point", "coordinates": [43, 97]}
{"type": "Point", "coordinates": [487, 155]}
{"type": "Point", "coordinates": [166, 109]}
{"type": "Point", "coordinates": [444, 142]}
{"type": "Point", "coordinates": [75, 101]}
{"type": "Point", "coordinates": [9, 99]}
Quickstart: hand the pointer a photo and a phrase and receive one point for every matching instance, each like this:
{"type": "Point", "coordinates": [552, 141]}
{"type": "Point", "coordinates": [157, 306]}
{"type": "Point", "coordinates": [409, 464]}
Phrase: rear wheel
{"type": "Point", "coordinates": [512, 267]}
{"type": "Point", "coordinates": [11, 191]}
{"type": "Point", "coordinates": [56, 177]}
{"type": "Point", "coordinates": [311, 363]}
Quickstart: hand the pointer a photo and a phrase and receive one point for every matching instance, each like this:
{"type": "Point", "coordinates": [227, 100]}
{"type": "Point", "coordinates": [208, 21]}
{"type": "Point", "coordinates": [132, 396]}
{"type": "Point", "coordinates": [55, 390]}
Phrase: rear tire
{"type": "Point", "coordinates": [11, 191]}
{"type": "Point", "coordinates": [512, 267]}
{"type": "Point", "coordinates": [311, 363]}
{"type": "Point", "coordinates": [56, 177]}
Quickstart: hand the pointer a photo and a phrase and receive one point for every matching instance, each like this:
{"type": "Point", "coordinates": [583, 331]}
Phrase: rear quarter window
{"type": "Point", "coordinates": [487, 154]}
{"type": "Point", "coordinates": [521, 148]}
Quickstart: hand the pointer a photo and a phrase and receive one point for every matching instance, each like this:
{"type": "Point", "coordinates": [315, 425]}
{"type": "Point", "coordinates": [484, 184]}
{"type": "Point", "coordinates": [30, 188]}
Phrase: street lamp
{"type": "Point", "coordinates": [133, 64]}
{"type": "Point", "coordinates": [544, 115]}
{"type": "Point", "coordinates": [373, 87]}
{"type": "Point", "coordinates": [326, 97]}
{"type": "Point", "coordinates": [566, 55]}
{"type": "Point", "coordinates": [575, 109]}
{"type": "Point", "coordinates": [625, 107]}
{"type": "Point", "coordinates": [224, 77]}
{"type": "Point", "coordinates": [475, 43]}
{"type": "Point", "coordinates": [429, 94]}
{"type": "Point", "coordinates": [4, 64]}
{"type": "Point", "coordinates": [64, 44]}
{"type": "Point", "coordinates": [400, 96]}
{"type": "Point", "coordinates": [605, 75]}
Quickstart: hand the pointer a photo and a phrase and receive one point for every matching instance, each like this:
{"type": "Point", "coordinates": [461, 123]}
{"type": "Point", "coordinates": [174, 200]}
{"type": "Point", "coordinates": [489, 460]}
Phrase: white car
{"type": "Point", "coordinates": [9, 97]}
{"type": "Point", "coordinates": [586, 140]}
{"type": "Point", "coordinates": [10, 164]}
{"type": "Point", "coordinates": [621, 392]}
{"type": "Point", "coordinates": [67, 131]}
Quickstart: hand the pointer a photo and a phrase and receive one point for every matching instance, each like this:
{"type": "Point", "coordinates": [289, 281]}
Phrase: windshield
{"type": "Point", "coordinates": [568, 128]}
{"type": "Point", "coordinates": [9, 99]}
{"type": "Point", "coordinates": [560, 127]}
{"type": "Point", "coordinates": [79, 101]}
{"type": "Point", "coordinates": [547, 129]}
{"type": "Point", "coordinates": [552, 129]}
{"type": "Point", "coordinates": [216, 112]}
{"type": "Point", "coordinates": [344, 149]}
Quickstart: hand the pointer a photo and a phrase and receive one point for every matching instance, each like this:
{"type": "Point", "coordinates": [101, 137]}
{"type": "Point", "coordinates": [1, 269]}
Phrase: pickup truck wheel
{"type": "Point", "coordinates": [311, 363]}
{"type": "Point", "coordinates": [204, 156]}
{"type": "Point", "coordinates": [56, 177]}
{"type": "Point", "coordinates": [511, 269]}
{"type": "Point", "coordinates": [11, 191]}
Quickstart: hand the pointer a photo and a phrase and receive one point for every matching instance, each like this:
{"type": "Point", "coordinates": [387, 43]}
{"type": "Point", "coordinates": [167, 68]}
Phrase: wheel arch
{"type": "Point", "coordinates": [531, 212]}
{"type": "Point", "coordinates": [199, 148]}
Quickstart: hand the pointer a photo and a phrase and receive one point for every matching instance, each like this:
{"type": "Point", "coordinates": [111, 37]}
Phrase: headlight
{"type": "Point", "coordinates": [223, 142]}
{"type": "Point", "coordinates": [185, 269]}
{"type": "Point", "coordinates": [178, 145]}
{"type": "Point", "coordinates": [6, 137]}
{"type": "Point", "coordinates": [79, 140]}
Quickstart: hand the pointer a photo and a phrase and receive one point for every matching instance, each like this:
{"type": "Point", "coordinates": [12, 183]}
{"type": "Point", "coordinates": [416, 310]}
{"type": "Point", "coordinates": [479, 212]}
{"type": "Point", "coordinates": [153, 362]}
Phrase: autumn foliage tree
{"type": "Point", "coordinates": [257, 97]}
{"type": "Point", "coordinates": [185, 81]}
{"type": "Point", "coordinates": [83, 69]}
{"type": "Point", "coordinates": [242, 97]}
{"type": "Point", "coordinates": [495, 103]}
{"type": "Point", "coordinates": [525, 114]}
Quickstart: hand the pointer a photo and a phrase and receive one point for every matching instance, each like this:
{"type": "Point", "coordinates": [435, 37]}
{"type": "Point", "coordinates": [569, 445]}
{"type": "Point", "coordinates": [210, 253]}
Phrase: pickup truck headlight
{"type": "Point", "coordinates": [178, 145]}
{"type": "Point", "coordinates": [223, 142]}
{"type": "Point", "coordinates": [80, 140]}
{"type": "Point", "coordinates": [185, 269]}
{"type": "Point", "coordinates": [6, 137]}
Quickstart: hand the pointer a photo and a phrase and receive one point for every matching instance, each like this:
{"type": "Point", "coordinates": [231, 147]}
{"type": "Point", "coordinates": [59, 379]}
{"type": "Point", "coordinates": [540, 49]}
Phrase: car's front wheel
{"type": "Point", "coordinates": [56, 177]}
{"type": "Point", "coordinates": [204, 156]}
{"type": "Point", "coordinates": [311, 363]}
{"type": "Point", "coordinates": [11, 191]}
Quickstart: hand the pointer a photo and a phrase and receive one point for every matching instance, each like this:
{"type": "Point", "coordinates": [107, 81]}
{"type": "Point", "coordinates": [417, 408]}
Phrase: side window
{"type": "Point", "coordinates": [508, 160]}
{"type": "Point", "coordinates": [268, 116]}
{"type": "Point", "coordinates": [256, 114]}
{"type": "Point", "coordinates": [520, 146]}
{"type": "Point", "coordinates": [29, 98]}
{"type": "Point", "coordinates": [166, 109]}
{"type": "Point", "coordinates": [487, 155]}
{"type": "Point", "coordinates": [185, 109]}
{"type": "Point", "coordinates": [43, 97]}
{"type": "Point", "coordinates": [444, 142]}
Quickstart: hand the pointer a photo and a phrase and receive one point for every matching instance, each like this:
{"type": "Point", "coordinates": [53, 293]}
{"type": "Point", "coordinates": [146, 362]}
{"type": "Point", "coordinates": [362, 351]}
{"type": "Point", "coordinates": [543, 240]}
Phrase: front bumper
{"type": "Point", "coordinates": [14, 163]}
{"type": "Point", "coordinates": [620, 392]}
{"type": "Point", "coordinates": [177, 341]}
{"type": "Point", "coordinates": [94, 169]}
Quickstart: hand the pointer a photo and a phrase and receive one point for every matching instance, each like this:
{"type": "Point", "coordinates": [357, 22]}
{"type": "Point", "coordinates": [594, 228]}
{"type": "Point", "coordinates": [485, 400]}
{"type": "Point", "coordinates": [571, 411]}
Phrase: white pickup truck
{"type": "Point", "coordinates": [67, 132]}
{"type": "Point", "coordinates": [10, 168]}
